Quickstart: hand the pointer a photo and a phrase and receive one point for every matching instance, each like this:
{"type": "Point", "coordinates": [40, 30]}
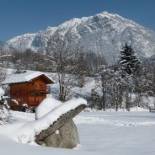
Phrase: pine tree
{"type": "Point", "coordinates": [128, 61]}
{"type": "Point", "coordinates": [130, 67]}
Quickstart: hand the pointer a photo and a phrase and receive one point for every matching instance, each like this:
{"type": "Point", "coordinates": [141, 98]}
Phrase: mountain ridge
{"type": "Point", "coordinates": [103, 34]}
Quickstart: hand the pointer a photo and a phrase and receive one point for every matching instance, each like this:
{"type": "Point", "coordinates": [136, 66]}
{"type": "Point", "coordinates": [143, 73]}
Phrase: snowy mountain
{"type": "Point", "coordinates": [5, 47]}
{"type": "Point", "coordinates": [103, 34]}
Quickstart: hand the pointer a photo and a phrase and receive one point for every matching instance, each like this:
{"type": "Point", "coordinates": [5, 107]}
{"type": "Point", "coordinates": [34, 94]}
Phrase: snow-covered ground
{"type": "Point", "coordinates": [109, 133]}
{"type": "Point", "coordinates": [24, 131]}
{"type": "Point", "coordinates": [121, 133]}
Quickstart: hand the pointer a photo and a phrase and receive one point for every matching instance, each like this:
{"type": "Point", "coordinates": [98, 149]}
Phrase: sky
{"type": "Point", "coordinates": [21, 16]}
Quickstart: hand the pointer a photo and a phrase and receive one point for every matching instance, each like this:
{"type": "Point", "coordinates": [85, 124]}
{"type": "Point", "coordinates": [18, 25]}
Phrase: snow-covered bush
{"type": "Point", "coordinates": [4, 111]}
{"type": "Point", "coordinates": [1, 92]}
{"type": "Point", "coordinates": [4, 115]}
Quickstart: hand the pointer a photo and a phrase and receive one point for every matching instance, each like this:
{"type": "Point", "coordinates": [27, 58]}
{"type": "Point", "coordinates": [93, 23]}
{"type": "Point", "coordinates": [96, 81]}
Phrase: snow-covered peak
{"type": "Point", "coordinates": [71, 23]}
{"type": "Point", "coordinates": [107, 14]}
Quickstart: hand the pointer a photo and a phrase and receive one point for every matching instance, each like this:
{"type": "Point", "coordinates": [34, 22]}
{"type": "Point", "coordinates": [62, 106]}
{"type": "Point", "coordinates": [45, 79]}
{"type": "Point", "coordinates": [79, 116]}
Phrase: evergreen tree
{"type": "Point", "coordinates": [128, 61]}
{"type": "Point", "coordinates": [130, 67]}
{"type": "Point", "coordinates": [96, 100]}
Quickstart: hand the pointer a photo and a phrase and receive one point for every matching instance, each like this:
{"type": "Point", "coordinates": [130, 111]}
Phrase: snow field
{"type": "Point", "coordinates": [109, 133]}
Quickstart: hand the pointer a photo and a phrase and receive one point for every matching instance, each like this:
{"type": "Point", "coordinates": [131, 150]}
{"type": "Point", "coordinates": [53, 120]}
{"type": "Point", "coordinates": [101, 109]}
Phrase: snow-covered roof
{"type": "Point", "coordinates": [24, 77]}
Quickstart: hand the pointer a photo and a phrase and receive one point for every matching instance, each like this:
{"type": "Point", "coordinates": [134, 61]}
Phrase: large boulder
{"type": "Point", "coordinates": [66, 137]}
{"type": "Point", "coordinates": [58, 128]}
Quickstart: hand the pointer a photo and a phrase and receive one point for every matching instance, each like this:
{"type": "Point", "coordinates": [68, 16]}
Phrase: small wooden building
{"type": "Point", "coordinates": [27, 89]}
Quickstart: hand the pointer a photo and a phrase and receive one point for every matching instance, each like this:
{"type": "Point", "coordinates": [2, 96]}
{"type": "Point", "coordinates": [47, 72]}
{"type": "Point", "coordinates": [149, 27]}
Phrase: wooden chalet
{"type": "Point", "coordinates": [27, 89]}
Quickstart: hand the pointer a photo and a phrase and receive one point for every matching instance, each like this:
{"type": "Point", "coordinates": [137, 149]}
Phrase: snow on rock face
{"type": "Point", "coordinates": [104, 34]}
{"type": "Point", "coordinates": [47, 105]}
{"type": "Point", "coordinates": [22, 42]}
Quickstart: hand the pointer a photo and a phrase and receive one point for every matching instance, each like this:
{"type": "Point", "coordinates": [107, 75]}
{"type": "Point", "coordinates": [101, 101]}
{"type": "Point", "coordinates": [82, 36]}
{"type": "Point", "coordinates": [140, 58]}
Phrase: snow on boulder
{"type": "Point", "coordinates": [47, 105]}
{"type": "Point", "coordinates": [28, 132]}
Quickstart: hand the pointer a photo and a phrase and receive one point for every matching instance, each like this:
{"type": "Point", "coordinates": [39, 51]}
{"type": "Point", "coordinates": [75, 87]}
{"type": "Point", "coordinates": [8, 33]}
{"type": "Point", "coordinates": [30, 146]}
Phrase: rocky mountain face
{"type": "Point", "coordinates": [103, 34]}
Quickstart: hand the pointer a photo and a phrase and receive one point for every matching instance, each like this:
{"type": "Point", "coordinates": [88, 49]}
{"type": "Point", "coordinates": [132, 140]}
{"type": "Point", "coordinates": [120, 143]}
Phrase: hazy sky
{"type": "Point", "coordinates": [21, 16]}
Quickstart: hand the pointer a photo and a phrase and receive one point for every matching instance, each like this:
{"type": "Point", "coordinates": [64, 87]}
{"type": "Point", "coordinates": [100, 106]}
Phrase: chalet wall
{"type": "Point", "coordinates": [30, 93]}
